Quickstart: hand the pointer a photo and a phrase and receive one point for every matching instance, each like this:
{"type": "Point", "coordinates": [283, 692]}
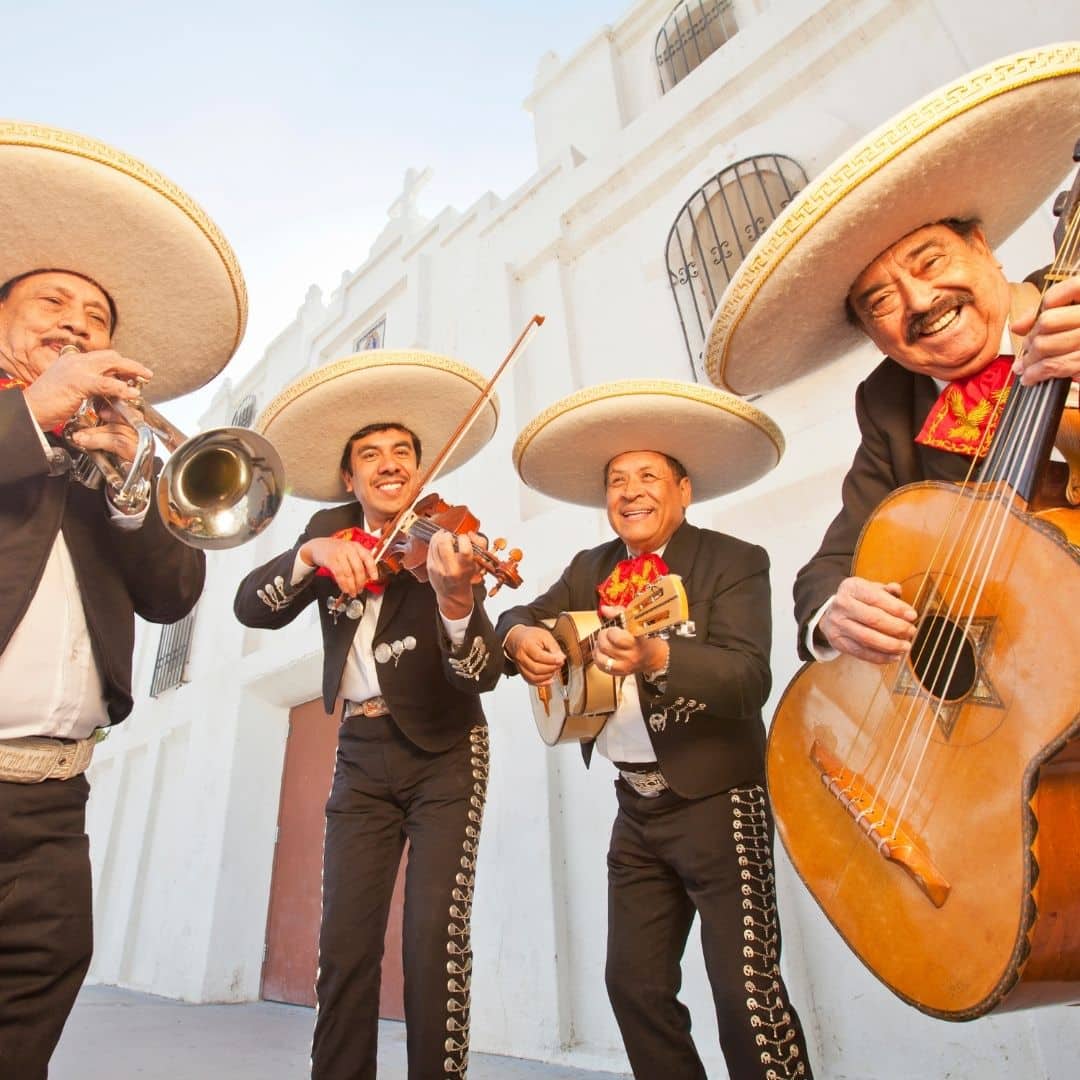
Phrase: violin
{"type": "Point", "coordinates": [408, 550]}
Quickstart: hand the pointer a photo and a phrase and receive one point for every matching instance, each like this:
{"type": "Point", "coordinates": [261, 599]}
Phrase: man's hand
{"type": "Point", "coordinates": [351, 564]}
{"type": "Point", "coordinates": [618, 652]}
{"type": "Point", "coordinates": [57, 392]}
{"type": "Point", "coordinates": [113, 435]}
{"type": "Point", "coordinates": [869, 621]}
{"type": "Point", "coordinates": [535, 652]}
{"type": "Point", "coordinates": [1052, 346]}
{"type": "Point", "coordinates": [452, 571]}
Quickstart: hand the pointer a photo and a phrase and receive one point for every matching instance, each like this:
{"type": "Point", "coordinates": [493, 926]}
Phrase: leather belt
{"type": "Point", "coordinates": [373, 707]}
{"type": "Point", "coordinates": [34, 758]}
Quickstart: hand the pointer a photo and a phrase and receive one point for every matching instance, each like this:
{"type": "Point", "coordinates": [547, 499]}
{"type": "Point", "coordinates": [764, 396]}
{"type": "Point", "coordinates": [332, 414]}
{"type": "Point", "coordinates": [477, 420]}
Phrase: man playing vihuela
{"type": "Point", "coordinates": [905, 256]}
{"type": "Point", "coordinates": [89, 304]}
{"type": "Point", "coordinates": [411, 658]}
{"type": "Point", "coordinates": [693, 831]}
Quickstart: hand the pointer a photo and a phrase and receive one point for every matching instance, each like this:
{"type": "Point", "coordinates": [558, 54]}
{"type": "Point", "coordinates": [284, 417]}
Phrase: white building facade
{"type": "Point", "coordinates": [608, 239]}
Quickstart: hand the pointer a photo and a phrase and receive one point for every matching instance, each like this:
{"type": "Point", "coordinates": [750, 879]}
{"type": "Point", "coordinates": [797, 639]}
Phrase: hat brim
{"type": "Point", "coordinates": [70, 203]}
{"type": "Point", "coordinates": [723, 442]}
{"type": "Point", "coordinates": [992, 145]}
{"type": "Point", "coordinates": [310, 421]}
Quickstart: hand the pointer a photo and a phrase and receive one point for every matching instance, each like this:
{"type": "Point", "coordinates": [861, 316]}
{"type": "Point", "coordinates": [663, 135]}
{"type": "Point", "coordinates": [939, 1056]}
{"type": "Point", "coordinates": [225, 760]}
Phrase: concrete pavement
{"type": "Point", "coordinates": [115, 1034]}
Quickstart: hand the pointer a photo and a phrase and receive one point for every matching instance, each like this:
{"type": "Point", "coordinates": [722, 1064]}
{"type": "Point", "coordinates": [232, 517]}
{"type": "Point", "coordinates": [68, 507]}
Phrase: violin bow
{"type": "Point", "coordinates": [405, 516]}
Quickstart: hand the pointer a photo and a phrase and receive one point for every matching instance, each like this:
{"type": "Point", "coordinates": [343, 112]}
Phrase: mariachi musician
{"type": "Point", "coordinates": [934, 696]}
{"type": "Point", "coordinates": [411, 658]}
{"type": "Point", "coordinates": [693, 831]}
{"type": "Point", "coordinates": [89, 303]}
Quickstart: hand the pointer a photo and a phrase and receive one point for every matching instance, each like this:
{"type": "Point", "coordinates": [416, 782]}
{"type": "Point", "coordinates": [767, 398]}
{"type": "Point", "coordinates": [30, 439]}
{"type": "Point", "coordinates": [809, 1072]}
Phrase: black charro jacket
{"type": "Point", "coordinates": [432, 689]}
{"type": "Point", "coordinates": [706, 726]}
{"type": "Point", "coordinates": [120, 573]}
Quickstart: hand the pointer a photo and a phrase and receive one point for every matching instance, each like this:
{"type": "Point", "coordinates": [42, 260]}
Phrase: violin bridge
{"type": "Point", "coordinates": [879, 824]}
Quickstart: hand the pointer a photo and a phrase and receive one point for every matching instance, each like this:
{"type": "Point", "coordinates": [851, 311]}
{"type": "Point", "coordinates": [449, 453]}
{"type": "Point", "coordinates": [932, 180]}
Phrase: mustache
{"type": "Point", "coordinates": [918, 322]}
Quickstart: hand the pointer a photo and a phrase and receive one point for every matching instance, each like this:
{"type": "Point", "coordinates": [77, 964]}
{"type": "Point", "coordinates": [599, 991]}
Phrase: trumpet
{"type": "Point", "coordinates": [218, 489]}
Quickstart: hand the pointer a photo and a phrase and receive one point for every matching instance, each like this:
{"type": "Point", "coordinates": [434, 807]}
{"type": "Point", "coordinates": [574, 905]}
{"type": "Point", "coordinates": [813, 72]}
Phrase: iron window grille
{"type": "Point", "coordinates": [689, 36]}
{"type": "Point", "coordinates": [372, 337]}
{"type": "Point", "coordinates": [715, 229]}
{"type": "Point", "coordinates": [245, 412]}
{"type": "Point", "coordinates": [172, 655]}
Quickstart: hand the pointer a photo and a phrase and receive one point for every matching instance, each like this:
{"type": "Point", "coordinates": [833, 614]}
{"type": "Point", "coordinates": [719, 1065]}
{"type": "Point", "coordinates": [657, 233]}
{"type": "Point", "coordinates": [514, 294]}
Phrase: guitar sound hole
{"type": "Point", "coordinates": [943, 659]}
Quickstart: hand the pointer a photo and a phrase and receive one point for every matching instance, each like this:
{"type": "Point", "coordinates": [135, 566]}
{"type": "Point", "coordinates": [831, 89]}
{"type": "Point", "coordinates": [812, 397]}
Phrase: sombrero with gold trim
{"type": "Point", "coordinates": [723, 442]}
{"type": "Point", "coordinates": [68, 202]}
{"type": "Point", "coordinates": [992, 145]}
{"type": "Point", "coordinates": [310, 421]}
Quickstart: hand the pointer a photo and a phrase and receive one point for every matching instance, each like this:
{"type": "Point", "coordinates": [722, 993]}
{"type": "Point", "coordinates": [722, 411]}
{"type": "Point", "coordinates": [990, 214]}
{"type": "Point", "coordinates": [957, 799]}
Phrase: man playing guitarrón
{"type": "Point", "coordinates": [693, 831]}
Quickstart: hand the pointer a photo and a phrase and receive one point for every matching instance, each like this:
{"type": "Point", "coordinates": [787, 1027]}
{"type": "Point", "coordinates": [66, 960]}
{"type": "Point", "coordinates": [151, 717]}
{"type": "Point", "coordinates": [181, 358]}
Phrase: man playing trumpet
{"type": "Point", "coordinates": [75, 569]}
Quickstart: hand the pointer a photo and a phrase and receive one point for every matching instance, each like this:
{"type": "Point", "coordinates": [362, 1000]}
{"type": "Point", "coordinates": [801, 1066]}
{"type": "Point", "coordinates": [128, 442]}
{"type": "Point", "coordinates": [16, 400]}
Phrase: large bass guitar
{"type": "Point", "coordinates": [932, 805]}
{"type": "Point", "coordinates": [581, 697]}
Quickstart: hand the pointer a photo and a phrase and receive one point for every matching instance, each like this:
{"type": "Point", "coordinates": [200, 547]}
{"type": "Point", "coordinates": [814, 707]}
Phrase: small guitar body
{"type": "Point", "coordinates": [580, 698]}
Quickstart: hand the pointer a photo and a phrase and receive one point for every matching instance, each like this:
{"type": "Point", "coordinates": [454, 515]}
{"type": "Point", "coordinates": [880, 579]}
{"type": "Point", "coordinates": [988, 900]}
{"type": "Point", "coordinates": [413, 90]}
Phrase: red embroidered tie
{"type": "Point", "coordinates": [624, 583]}
{"type": "Point", "coordinates": [357, 536]}
{"type": "Point", "coordinates": [964, 417]}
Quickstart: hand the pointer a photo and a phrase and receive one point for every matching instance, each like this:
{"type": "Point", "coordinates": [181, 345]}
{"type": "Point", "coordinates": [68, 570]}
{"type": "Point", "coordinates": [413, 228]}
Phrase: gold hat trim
{"type": "Point", "coordinates": [357, 363]}
{"type": "Point", "coordinates": [815, 201]}
{"type": "Point", "coordinates": [40, 137]}
{"type": "Point", "coordinates": [703, 395]}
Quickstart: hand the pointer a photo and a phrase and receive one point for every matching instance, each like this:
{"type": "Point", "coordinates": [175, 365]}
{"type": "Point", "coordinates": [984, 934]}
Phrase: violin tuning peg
{"type": "Point", "coordinates": [494, 589]}
{"type": "Point", "coordinates": [516, 555]}
{"type": "Point", "coordinates": [498, 543]}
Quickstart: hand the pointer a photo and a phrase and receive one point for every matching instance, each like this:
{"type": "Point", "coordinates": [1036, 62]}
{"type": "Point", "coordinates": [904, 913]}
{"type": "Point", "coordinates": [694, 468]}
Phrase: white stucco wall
{"type": "Point", "coordinates": [184, 809]}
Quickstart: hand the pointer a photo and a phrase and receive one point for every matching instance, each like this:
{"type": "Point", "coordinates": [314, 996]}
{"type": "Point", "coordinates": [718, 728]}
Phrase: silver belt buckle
{"type": "Point", "coordinates": [646, 784]}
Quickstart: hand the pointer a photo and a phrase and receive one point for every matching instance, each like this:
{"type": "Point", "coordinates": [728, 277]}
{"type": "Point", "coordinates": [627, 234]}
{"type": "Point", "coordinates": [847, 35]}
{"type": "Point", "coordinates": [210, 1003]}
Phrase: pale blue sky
{"type": "Point", "coordinates": [293, 124]}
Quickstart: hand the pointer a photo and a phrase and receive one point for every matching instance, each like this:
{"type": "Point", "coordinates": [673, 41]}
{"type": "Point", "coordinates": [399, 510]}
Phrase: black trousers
{"type": "Point", "coordinates": [669, 858]}
{"type": "Point", "coordinates": [46, 934]}
{"type": "Point", "coordinates": [386, 790]}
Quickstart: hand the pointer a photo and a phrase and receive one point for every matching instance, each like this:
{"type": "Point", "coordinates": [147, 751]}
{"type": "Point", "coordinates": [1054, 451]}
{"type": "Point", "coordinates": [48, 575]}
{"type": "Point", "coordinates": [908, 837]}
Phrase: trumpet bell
{"type": "Point", "coordinates": [220, 488]}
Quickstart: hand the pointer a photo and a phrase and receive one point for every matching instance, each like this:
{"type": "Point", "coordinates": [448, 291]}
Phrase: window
{"type": "Point", "coordinates": [245, 412]}
{"type": "Point", "coordinates": [691, 34]}
{"type": "Point", "coordinates": [716, 228]}
{"type": "Point", "coordinates": [172, 655]}
{"type": "Point", "coordinates": [372, 337]}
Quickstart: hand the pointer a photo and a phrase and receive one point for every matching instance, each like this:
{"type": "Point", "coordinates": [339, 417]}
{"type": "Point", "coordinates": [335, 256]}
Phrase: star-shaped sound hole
{"type": "Point", "coordinates": [947, 665]}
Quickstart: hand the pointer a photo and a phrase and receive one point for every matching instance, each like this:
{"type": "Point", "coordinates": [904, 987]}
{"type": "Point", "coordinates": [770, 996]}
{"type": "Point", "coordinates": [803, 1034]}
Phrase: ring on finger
{"type": "Point", "coordinates": [608, 664]}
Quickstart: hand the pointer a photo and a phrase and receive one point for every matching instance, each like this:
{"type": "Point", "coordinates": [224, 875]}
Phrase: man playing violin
{"type": "Point", "coordinates": [904, 256]}
{"type": "Point", "coordinates": [693, 832]}
{"type": "Point", "coordinates": [76, 569]}
{"type": "Point", "coordinates": [410, 658]}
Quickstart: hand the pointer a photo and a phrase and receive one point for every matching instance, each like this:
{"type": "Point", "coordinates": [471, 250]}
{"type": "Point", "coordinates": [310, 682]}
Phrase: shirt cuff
{"type": "Point", "coordinates": [300, 571]}
{"type": "Point", "coordinates": [455, 628]}
{"type": "Point", "coordinates": [819, 652]}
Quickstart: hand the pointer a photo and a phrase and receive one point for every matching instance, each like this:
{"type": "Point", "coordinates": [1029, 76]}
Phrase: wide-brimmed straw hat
{"type": "Point", "coordinates": [68, 202]}
{"type": "Point", "coordinates": [310, 421]}
{"type": "Point", "coordinates": [723, 442]}
{"type": "Point", "coordinates": [992, 145]}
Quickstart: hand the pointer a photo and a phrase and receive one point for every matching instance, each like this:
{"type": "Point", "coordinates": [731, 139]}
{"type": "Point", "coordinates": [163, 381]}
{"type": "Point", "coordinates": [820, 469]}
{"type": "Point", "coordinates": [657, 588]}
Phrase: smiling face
{"type": "Point", "coordinates": [383, 474]}
{"type": "Point", "coordinates": [44, 312]}
{"type": "Point", "coordinates": [646, 501]}
{"type": "Point", "coordinates": [936, 302]}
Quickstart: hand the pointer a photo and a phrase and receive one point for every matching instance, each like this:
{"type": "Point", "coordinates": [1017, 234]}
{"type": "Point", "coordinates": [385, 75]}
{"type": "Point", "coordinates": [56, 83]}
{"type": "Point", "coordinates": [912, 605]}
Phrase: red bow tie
{"type": "Point", "coordinates": [628, 579]}
{"type": "Point", "coordinates": [357, 536]}
{"type": "Point", "coordinates": [965, 415]}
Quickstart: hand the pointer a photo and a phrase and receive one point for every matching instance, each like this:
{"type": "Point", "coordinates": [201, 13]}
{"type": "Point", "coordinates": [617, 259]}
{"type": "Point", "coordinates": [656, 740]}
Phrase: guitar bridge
{"type": "Point", "coordinates": [879, 824]}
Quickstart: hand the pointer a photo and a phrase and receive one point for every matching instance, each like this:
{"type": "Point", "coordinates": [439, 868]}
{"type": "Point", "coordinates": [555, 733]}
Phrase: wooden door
{"type": "Point", "coordinates": [292, 922]}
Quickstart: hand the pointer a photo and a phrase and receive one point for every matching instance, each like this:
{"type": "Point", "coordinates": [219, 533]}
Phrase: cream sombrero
{"type": "Point", "coordinates": [70, 203]}
{"type": "Point", "coordinates": [992, 145]}
{"type": "Point", "coordinates": [310, 421]}
{"type": "Point", "coordinates": [722, 442]}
